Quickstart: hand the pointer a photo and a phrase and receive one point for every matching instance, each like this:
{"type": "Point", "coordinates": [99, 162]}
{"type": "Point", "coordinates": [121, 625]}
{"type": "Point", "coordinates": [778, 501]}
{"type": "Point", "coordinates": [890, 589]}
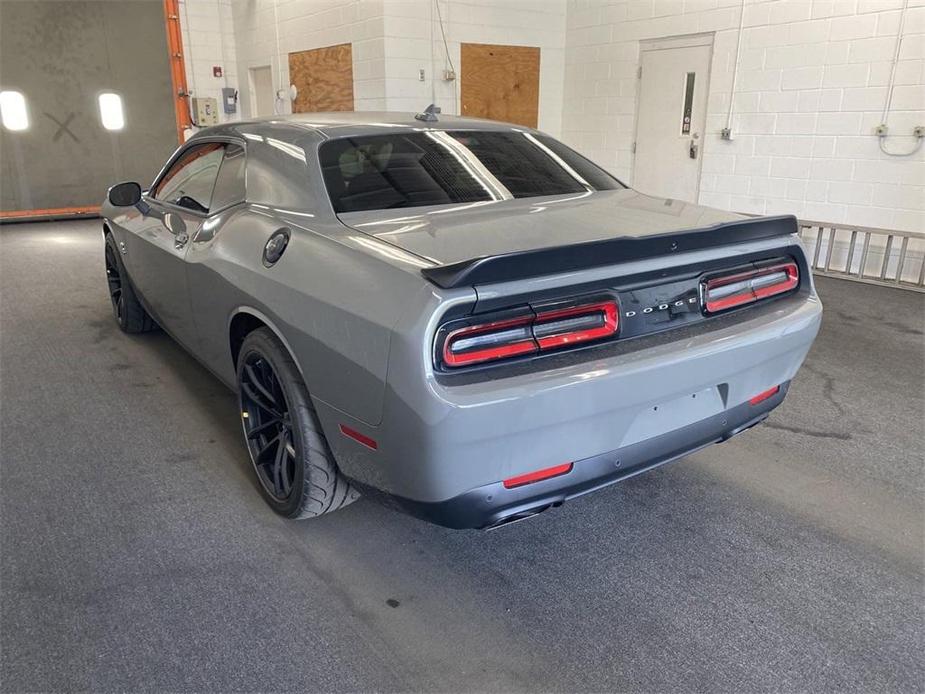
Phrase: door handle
{"type": "Point", "coordinates": [694, 147]}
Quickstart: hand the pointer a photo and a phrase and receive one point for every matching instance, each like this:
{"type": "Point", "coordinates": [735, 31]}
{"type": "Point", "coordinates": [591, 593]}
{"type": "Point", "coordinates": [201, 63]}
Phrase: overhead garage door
{"type": "Point", "coordinates": [61, 56]}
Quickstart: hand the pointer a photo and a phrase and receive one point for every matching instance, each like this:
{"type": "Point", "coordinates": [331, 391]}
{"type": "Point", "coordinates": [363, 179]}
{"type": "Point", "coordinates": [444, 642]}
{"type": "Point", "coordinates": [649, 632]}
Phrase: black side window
{"type": "Point", "coordinates": [380, 172]}
{"type": "Point", "coordinates": [229, 186]}
{"type": "Point", "coordinates": [189, 182]}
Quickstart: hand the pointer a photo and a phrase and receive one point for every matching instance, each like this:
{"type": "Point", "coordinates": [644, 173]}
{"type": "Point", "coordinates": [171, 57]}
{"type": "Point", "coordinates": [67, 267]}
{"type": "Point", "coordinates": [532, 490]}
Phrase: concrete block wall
{"type": "Point", "coordinates": [811, 87]}
{"type": "Point", "coordinates": [410, 25]}
{"type": "Point", "coordinates": [391, 42]}
{"type": "Point", "coordinates": [307, 24]}
{"type": "Point", "coordinates": [208, 40]}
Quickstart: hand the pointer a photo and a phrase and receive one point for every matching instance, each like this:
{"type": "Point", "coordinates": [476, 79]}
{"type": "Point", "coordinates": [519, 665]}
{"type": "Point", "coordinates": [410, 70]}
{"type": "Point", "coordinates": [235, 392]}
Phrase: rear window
{"type": "Point", "coordinates": [380, 172]}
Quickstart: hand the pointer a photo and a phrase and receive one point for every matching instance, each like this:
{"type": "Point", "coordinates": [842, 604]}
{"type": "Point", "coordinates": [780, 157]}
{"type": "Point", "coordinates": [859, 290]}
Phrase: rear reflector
{"type": "Point", "coordinates": [357, 436]}
{"type": "Point", "coordinates": [530, 333]}
{"type": "Point", "coordinates": [721, 293]}
{"type": "Point", "coordinates": [761, 397]}
{"type": "Point", "coordinates": [538, 475]}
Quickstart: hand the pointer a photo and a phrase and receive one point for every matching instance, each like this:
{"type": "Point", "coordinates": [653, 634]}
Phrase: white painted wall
{"type": "Point", "coordinates": [209, 40]}
{"type": "Point", "coordinates": [391, 43]}
{"type": "Point", "coordinates": [811, 87]}
{"type": "Point", "coordinates": [409, 25]}
{"type": "Point", "coordinates": [307, 24]}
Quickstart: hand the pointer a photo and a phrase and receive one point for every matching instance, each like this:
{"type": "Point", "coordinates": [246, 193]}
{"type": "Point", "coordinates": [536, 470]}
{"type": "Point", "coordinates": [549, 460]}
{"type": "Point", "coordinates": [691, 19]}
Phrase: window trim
{"type": "Point", "coordinates": [238, 202]}
{"type": "Point", "coordinates": [180, 151]}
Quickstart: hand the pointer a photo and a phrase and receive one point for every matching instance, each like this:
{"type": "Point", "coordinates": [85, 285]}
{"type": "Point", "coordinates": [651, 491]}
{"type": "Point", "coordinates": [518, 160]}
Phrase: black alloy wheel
{"type": "Point", "coordinates": [268, 427]}
{"type": "Point", "coordinates": [297, 474]}
{"type": "Point", "coordinates": [126, 305]}
{"type": "Point", "coordinates": [114, 281]}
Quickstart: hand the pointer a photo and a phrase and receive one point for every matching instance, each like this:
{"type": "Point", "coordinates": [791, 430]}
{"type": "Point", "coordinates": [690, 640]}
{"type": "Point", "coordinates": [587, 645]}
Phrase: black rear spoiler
{"type": "Point", "coordinates": [545, 261]}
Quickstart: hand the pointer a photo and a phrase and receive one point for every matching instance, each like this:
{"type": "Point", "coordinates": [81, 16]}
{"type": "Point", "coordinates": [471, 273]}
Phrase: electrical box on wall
{"type": "Point", "coordinates": [205, 111]}
{"type": "Point", "coordinates": [230, 99]}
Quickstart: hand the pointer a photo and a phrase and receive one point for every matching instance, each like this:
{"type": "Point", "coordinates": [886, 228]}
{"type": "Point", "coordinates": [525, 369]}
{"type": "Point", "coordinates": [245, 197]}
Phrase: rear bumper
{"type": "Point", "coordinates": [443, 450]}
{"type": "Point", "coordinates": [493, 504]}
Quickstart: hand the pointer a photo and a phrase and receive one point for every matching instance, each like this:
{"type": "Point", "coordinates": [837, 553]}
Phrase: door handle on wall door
{"type": "Point", "coordinates": [694, 147]}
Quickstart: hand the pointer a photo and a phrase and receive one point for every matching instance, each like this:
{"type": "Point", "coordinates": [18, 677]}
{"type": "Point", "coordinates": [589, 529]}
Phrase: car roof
{"type": "Point", "coordinates": [349, 124]}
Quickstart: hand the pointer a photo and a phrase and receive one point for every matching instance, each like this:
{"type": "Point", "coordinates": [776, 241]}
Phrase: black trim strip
{"type": "Point", "coordinates": [544, 261]}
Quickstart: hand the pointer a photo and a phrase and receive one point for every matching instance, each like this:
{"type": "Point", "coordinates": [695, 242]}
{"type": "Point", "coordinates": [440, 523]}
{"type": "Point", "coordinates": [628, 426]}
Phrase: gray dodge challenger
{"type": "Point", "coordinates": [466, 319]}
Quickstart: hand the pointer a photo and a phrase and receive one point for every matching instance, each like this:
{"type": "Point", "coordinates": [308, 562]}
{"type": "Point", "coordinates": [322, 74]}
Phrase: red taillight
{"type": "Point", "coordinates": [761, 397]}
{"type": "Point", "coordinates": [477, 343]}
{"type": "Point", "coordinates": [578, 324]}
{"type": "Point", "coordinates": [537, 475]}
{"type": "Point", "coordinates": [721, 293]}
{"type": "Point", "coordinates": [531, 333]}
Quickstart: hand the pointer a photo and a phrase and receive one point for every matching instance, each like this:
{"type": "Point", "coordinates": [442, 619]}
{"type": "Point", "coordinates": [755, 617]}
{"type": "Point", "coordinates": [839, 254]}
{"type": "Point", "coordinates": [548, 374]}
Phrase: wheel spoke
{"type": "Point", "coordinates": [267, 446]}
{"type": "Point", "coordinates": [277, 389]}
{"type": "Point", "coordinates": [257, 383]}
{"type": "Point", "coordinates": [278, 465]}
{"type": "Point", "coordinates": [258, 399]}
{"type": "Point", "coordinates": [284, 474]}
{"type": "Point", "coordinates": [258, 430]}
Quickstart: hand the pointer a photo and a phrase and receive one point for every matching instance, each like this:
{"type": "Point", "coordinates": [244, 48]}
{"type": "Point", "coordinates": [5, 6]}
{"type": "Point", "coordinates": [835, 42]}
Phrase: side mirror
{"type": "Point", "coordinates": [125, 194]}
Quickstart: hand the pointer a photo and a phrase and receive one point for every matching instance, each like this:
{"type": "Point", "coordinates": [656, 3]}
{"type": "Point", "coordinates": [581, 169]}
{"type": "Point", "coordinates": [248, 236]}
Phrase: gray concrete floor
{"type": "Point", "coordinates": [136, 553]}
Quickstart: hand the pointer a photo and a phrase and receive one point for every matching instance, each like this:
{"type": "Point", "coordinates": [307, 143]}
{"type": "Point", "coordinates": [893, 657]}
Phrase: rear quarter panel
{"type": "Point", "coordinates": [331, 301]}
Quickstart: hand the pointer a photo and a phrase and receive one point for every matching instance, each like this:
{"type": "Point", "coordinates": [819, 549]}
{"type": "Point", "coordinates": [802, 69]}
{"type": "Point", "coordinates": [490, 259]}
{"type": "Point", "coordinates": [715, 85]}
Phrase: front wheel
{"type": "Point", "coordinates": [127, 309]}
{"type": "Point", "coordinates": [294, 465]}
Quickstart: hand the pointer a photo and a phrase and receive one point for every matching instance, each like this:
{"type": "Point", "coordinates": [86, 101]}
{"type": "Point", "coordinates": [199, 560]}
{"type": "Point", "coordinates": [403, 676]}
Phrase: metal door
{"type": "Point", "coordinates": [672, 111]}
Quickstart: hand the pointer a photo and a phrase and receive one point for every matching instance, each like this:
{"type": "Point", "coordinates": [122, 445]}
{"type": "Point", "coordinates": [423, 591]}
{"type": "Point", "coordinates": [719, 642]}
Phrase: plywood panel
{"type": "Point", "coordinates": [324, 78]}
{"type": "Point", "coordinates": [500, 82]}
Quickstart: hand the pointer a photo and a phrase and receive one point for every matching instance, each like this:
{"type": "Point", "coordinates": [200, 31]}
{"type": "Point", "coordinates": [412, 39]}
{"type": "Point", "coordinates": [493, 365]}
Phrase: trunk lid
{"type": "Point", "coordinates": [451, 234]}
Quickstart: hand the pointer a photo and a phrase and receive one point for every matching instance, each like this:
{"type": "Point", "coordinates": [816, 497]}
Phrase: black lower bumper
{"type": "Point", "coordinates": [493, 504]}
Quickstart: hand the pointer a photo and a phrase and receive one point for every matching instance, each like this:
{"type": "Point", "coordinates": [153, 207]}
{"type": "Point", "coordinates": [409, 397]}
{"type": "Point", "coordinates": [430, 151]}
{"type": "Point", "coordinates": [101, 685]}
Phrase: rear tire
{"type": "Point", "coordinates": [127, 309]}
{"type": "Point", "coordinates": [295, 469]}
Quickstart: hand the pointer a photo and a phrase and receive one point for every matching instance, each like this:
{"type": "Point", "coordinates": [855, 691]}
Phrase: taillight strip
{"type": "Point", "coordinates": [491, 341]}
{"type": "Point", "coordinates": [570, 326]}
{"type": "Point", "coordinates": [721, 293]}
{"type": "Point", "coordinates": [543, 330]}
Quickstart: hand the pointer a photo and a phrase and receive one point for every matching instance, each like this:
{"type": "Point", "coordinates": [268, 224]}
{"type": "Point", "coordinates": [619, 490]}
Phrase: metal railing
{"type": "Point", "coordinates": [864, 254]}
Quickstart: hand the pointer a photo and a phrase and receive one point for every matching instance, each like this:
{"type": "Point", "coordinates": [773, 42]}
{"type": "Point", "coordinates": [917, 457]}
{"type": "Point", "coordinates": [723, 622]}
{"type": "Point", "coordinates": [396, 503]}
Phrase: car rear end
{"type": "Point", "coordinates": [569, 332]}
{"type": "Point", "coordinates": [509, 399]}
